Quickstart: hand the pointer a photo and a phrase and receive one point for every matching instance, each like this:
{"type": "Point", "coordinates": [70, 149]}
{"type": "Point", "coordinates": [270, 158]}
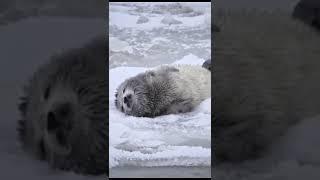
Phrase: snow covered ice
{"type": "Point", "coordinates": [169, 140]}
{"type": "Point", "coordinates": [149, 34]}
{"type": "Point", "coordinates": [141, 37]}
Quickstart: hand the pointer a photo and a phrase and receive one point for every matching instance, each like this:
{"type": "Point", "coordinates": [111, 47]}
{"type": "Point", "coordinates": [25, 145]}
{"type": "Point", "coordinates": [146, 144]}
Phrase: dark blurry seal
{"type": "Point", "coordinates": [64, 111]}
{"type": "Point", "coordinates": [264, 81]}
{"type": "Point", "coordinates": [164, 90]}
{"type": "Point", "coordinates": [308, 11]}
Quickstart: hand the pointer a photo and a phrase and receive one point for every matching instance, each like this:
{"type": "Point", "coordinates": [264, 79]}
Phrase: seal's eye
{"type": "Point", "coordinates": [46, 93]}
{"type": "Point", "coordinates": [123, 90]}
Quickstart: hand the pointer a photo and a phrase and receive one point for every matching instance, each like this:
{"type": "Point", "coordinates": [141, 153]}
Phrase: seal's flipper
{"type": "Point", "coordinates": [207, 64]}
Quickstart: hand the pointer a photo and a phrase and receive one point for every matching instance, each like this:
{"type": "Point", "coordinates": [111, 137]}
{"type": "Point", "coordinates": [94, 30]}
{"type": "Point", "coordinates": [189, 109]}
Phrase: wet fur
{"type": "Point", "coordinates": [77, 76]}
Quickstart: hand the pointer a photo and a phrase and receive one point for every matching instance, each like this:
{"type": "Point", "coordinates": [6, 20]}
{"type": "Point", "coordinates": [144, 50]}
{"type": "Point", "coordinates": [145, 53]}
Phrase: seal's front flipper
{"type": "Point", "coordinates": [207, 64]}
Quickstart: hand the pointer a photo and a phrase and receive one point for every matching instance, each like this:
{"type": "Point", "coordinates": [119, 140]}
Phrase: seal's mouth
{"type": "Point", "coordinates": [57, 143]}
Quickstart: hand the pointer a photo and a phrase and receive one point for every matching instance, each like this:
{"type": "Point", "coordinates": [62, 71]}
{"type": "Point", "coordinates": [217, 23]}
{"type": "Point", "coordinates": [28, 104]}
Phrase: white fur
{"type": "Point", "coordinates": [193, 82]}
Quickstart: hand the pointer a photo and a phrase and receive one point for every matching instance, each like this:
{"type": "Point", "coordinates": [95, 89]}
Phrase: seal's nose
{"type": "Point", "coordinates": [128, 100]}
{"type": "Point", "coordinates": [59, 117]}
{"type": "Point", "coordinates": [52, 122]}
{"type": "Point", "coordinates": [59, 122]}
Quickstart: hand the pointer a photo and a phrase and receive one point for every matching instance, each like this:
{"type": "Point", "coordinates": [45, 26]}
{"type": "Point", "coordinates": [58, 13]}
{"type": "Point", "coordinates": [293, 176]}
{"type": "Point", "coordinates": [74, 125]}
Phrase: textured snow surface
{"type": "Point", "coordinates": [149, 34]}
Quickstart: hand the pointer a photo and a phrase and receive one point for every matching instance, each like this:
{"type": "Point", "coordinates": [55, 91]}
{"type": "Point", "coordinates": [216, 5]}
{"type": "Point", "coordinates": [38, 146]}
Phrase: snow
{"type": "Point", "coordinates": [177, 29]}
{"type": "Point", "coordinates": [169, 140]}
{"type": "Point", "coordinates": [168, 19]}
{"type": "Point", "coordinates": [119, 45]}
{"type": "Point", "coordinates": [142, 19]}
{"type": "Point", "coordinates": [123, 20]}
{"type": "Point", "coordinates": [190, 59]}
